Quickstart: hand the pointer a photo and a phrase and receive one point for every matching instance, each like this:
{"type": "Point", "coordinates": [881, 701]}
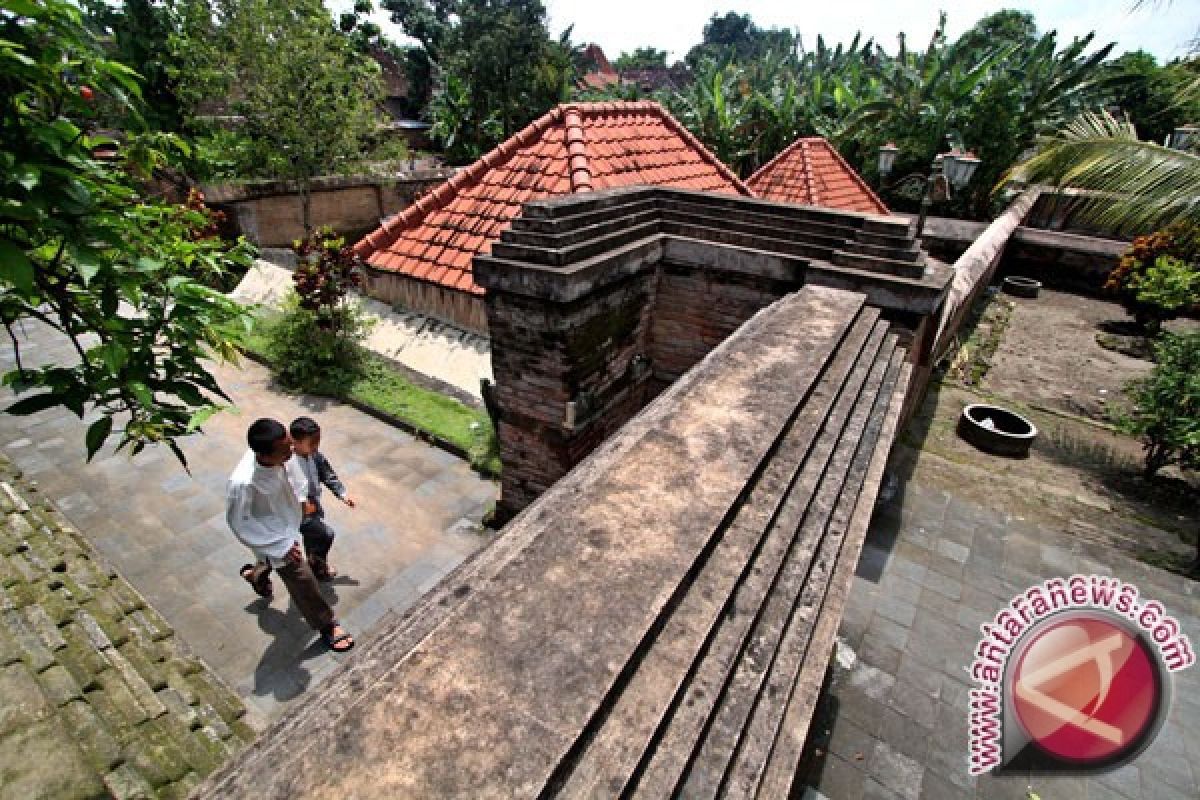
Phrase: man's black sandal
{"type": "Point", "coordinates": [262, 585]}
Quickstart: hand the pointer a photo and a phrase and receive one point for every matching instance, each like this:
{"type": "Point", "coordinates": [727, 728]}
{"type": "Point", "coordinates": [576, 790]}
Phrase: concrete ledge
{"type": "Point", "coordinates": [251, 190]}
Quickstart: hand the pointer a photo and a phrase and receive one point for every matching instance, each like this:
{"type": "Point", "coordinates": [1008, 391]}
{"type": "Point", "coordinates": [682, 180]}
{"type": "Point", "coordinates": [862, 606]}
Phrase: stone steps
{"type": "Point", "coordinates": [870, 263]}
{"type": "Point", "coordinates": [740, 732]}
{"type": "Point", "coordinates": [698, 645]}
{"type": "Point", "coordinates": [905, 251]}
{"type": "Point", "coordinates": [699, 712]}
{"type": "Point", "coordinates": [780, 768]}
{"type": "Point", "coordinates": [596, 645]}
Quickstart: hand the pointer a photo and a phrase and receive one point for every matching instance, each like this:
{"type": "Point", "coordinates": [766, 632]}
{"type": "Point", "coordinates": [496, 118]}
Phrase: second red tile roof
{"type": "Point", "coordinates": [812, 172]}
{"type": "Point", "coordinates": [573, 148]}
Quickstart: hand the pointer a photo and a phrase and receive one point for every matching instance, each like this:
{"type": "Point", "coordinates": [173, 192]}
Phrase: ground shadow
{"type": "Point", "coordinates": [280, 672]}
{"type": "Point", "coordinates": [887, 519]}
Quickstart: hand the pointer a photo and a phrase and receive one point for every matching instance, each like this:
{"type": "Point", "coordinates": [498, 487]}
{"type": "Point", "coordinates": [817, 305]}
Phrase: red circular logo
{"type": "Point", "coordinates": [1086, 690]}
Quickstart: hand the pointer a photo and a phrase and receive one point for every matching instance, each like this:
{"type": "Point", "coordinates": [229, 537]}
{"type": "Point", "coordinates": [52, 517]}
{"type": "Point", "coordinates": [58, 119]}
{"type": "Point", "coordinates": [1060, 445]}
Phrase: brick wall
{"type": "Point", "coordinates": [610, 353]}
{"type": "Point", "coordinates": [697, 310]}
{"type": "Point", "coordinates": [547, 355]}
{"type": "Point", "coordinates": [596, 303]}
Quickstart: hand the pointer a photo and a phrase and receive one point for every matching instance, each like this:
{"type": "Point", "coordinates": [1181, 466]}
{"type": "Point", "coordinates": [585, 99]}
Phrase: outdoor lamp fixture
{"type": "Point", "coordinates": [953, 170]}
{"type": "Point", "coordinates": [1184, 137]}
{"type": "Point", "coordinates": [887, 158]}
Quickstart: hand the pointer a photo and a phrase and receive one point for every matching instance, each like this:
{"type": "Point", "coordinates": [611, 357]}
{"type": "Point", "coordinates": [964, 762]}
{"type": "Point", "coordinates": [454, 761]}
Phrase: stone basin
{"type": "Point", "coordinates": [1019, 286]}
{"type": "Point", "coordinates": [997, 430]}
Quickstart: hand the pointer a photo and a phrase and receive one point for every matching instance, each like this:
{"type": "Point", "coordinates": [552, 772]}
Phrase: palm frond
{"type": "Point", "coordinates": [1136, 186]}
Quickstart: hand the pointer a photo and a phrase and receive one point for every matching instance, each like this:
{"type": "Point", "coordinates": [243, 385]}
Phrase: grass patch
{"type": "Point", "coordinates": [986, 323]}
{"type": "Point", "coordinates": [379, 385]}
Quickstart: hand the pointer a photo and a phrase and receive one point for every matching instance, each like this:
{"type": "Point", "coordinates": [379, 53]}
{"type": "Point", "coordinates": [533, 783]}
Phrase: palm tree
{"type": "Point", "coordinates": [1138, 186]}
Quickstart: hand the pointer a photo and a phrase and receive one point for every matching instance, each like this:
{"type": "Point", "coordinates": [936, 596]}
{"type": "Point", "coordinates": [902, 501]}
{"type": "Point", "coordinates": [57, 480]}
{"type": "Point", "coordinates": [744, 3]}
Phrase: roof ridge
{"type": "Point", "coordinates": [809, 177]}
{"type": "Point", "coordinates": [678, 127]}
{"type": "Point", "coordinates": [390, 229]}
{"type": "Point", "coordinates": [856, 177]}
{"type": "Point", "coordinates": [578, 164]}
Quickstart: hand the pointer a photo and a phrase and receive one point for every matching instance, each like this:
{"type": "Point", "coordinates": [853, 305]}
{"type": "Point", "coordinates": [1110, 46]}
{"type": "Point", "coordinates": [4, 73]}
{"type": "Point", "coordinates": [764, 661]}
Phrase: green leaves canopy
{"type": "Point", "coordinates": [497, 67]}
{"type": "Point", "coordinates": [307, 99]}
{"type": "Point", "coordinates": [125, 279]}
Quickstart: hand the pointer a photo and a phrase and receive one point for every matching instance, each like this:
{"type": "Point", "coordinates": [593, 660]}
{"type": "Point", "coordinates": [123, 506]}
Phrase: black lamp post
{"type": "Point", "coordinates": [953, 169]}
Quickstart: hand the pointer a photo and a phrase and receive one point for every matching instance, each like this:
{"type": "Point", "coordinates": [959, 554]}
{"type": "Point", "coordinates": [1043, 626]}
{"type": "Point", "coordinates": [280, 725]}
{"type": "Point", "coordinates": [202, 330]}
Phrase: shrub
{"type": "Point", "coordinates": [1169, 283]}
{"type": "Point", "coordinates": [326, 271]}
{"type": "Point", "coordinates": [1166, 405]}
{"type": "Point", "coordinates": [1143, 283]}
{"type": "Point", "coordinates": [319, 353]}
{"type": "Point", "coordinates": [315, 344]}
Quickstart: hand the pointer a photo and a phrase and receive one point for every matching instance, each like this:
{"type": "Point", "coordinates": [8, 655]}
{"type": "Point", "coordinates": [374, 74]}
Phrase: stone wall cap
{"type": "Point", "coordinates": [253, 190]}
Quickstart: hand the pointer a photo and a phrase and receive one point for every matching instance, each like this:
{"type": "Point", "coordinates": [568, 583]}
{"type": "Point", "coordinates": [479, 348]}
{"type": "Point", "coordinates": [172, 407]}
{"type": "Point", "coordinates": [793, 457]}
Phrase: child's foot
{"type": "Point", "coordinates": [260, 581]}
{"type": "Point", "coordinates": [337, 640]}
{"type": "Point", "coordinates": [321, 570]}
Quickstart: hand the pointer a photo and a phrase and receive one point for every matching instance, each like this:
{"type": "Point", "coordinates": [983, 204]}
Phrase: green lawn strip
{"type": "Point", "coordinates": [385, 389]}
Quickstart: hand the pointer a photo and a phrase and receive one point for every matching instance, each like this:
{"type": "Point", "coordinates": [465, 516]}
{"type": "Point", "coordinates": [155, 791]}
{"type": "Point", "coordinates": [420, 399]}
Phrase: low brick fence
{"type": "Point", "coordinates": [97, 696]}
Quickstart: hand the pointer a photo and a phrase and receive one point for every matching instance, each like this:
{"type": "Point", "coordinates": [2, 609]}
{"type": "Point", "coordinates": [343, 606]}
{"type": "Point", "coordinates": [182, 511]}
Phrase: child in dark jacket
{"type": "Point", "coordinates": [318, 536]}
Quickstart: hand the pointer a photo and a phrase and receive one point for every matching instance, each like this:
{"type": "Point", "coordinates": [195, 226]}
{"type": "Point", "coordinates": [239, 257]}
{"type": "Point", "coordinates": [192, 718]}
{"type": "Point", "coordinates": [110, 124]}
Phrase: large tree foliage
{"type": "Point", "coordinates": [308, 100]}
{"type": "Point", "coordinates": [1155, 98]}
{"type": "Point", "coordinates": [993, 100]}
{"type": "Point", "coordinates": [497, 67]}
{"type": "Point", "coordinates": [127, 281]}
{"type": "Point", "coordinates": [993, 91]}
{"type": "Point", "coordinates": [735, 37]}
{"type": "Point", "coordinates": [138, 34]}
{"type": "Point", "coordinates": [641, 58]}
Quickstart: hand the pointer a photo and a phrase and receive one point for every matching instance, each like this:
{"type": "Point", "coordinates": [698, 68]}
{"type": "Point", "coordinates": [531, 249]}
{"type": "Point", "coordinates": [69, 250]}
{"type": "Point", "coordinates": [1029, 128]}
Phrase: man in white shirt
{"type": "Point", "coordinates": [263, 509]}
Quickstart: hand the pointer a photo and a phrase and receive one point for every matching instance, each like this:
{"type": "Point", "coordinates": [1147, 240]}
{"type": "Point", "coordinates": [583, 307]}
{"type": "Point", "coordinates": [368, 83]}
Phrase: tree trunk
{"type": "Point", "coordinates": [306, 207]}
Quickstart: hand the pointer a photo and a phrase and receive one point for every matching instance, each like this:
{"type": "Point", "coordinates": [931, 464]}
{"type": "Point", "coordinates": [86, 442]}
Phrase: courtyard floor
{"type": "Point", "coordinates": [962, 533]}
{"type": "Point", "coordinates": [418, 516]}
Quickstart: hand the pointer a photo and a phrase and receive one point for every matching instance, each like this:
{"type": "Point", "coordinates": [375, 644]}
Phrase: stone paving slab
{"type": "Point", "coordinates": [935, 567]}
{"type": "Point", "coordinates": [164, 529]}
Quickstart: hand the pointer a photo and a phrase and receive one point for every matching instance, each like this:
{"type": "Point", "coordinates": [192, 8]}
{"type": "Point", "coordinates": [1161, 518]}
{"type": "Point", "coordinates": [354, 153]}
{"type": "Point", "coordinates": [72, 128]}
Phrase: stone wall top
{"type": "Point", "coordinates": [253, 190]}
{"type": "Point", "coordinates": [97, 696]}
{"type": "Point", "coordinates": [561, 249]}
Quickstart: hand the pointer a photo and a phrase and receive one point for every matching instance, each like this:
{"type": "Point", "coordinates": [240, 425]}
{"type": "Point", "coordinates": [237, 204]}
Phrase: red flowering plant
{"type": "Point", "coordinates": [1155, 276]}
{"type": "Point", "coordinates": [326, 270]}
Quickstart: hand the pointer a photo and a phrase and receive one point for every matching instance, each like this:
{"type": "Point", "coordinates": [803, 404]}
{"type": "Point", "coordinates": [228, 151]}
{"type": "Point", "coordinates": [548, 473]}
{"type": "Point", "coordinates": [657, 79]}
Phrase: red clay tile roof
{"type": "Point", "coordinates": [812, 172]}
{"type": "Point", "coordinates": [599, 80]}
{"type": "Point", "coordinates": [574, 148]}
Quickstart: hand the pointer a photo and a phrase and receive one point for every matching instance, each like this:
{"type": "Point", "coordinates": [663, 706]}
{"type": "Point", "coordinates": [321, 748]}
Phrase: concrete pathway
{"type": "Point", "coordinates": [164, 530]}
{"type": "Point", "coordinates": [452, 355]}
{"type": "Point", "coordinates": [934, 569]}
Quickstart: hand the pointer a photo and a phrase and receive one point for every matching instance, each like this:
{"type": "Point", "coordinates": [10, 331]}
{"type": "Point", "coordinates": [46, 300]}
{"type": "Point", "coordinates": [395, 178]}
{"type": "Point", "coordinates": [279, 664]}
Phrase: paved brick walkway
{"type": "Point", "coordinates": [164, 530]}
{"type": "Point", "coordinates": [934, 569]}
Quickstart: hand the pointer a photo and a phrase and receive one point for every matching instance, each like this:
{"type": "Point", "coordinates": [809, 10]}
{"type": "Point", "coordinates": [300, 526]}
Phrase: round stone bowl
{"type": "Point", "coordinates": [1018, 286]}
{"type": "Point", "coordinates": [997, 430]}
